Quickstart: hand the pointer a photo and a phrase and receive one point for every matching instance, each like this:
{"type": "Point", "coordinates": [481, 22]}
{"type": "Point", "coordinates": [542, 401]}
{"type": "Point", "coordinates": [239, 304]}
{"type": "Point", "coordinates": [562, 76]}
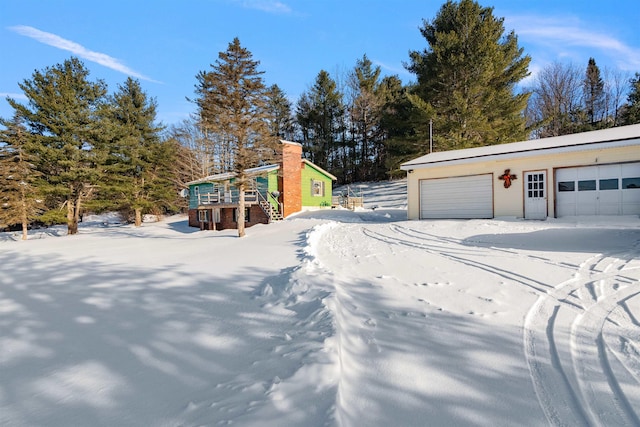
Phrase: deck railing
{"type": "Point", "coordinates": [219, 197]}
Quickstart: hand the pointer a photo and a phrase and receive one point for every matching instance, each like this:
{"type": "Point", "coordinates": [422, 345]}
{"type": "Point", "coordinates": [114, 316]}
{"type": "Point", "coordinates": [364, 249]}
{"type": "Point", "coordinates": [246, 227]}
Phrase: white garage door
{"type": "Point", "coordinates": [598, 190]}
{"type": "Point", "coordinates": [457, 197]}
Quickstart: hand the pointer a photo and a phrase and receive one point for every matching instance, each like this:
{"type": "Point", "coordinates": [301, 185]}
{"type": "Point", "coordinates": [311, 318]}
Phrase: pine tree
{"type": "Point", "coordinates": [319, 113]}
{"type": "Point", "coordinates": [20, 201]}
{"type": "Point", "coordinates": [405, 126]}
{"type": "Point", "coordinates": [232, 105]}
{"type": "Point", "coordinates": [63, 116]}
{"type": "Point", "coordinates": [131, 159]}
{"type": "Point", "coordinates": [594, 96]}
{"type": "Point", "coordinates": [631, 114]}
{"type": "Point", "coordinates": [164, 178]}
{"type": "Point", "coordinates": [468, 76]}
{"type": "Point", "coordinates": [279, 106]}
{"type": "Point", "coordinates": [365, 116]}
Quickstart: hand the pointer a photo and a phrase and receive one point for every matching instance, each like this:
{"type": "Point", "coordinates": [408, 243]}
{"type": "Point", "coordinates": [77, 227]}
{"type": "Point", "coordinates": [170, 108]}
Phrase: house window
{"type": "Point", "coordinates": [317, 188]}
{"type": "Point", "coordinates": [535, 185]}
{"type": "Point", "coordinates": [246, 215]}
{"type": "Point", "coordinates": [203, 215]}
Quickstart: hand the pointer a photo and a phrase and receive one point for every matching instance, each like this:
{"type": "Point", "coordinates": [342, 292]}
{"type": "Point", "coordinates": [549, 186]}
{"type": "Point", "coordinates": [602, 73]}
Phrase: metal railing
{"type": "Point", "coordinates": [349, 198]}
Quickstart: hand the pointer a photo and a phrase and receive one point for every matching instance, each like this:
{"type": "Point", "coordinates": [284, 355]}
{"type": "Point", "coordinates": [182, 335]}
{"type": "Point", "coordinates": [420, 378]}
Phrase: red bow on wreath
{"type": "Point", "coordinates": [507, 178]}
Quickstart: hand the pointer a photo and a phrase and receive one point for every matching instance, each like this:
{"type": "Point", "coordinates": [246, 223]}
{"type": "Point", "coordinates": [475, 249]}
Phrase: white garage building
{"type": "Point", "coordinates": [591, 173]}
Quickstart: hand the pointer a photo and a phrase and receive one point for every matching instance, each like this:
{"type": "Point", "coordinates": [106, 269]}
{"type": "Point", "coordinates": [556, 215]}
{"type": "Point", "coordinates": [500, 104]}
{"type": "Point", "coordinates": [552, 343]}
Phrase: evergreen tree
{"type": "Point", "coordinates": [164, 178]}
{"type": "Point", "coordinates": [320, 114]}
{"type": "Point", "coordinates": [232, 105]}
{"type": "Point", "coordinates": [304, 124]}
{"type": "Point", "coordinates": [594, 96]}
{"type": "Point", "coordinates": [281, 122]}
{"type": "Point", "coordinates": [406, 122]}
{"type": "Point", "coordinates": [468, 76]}
{"type": "Point", "coordinates": [20, 201]}
{"type": "Point", "coordinates": [365, 116]}
{"type": "Point", "coordinates": [631, 114]}
{"type": "Point", "coordinates": [131, 161]}
{"type": "Point", "coordinates": [63, 116]}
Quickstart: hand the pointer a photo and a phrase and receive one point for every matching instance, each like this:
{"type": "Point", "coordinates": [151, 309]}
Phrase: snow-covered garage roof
{"type": "Point", "coordinates": [614, 137]}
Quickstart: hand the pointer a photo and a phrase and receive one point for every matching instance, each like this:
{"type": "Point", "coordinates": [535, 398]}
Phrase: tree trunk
{"type": "Point", "coordinates": [25, 219]}
{"type": "Point", "coordinates": [76, 212]}
{"type": "Point", "coordinates": [241, 209]}
{"type": "Point", "coordinates": [25, 224]}
{"type": "Point", "coordinates": [138, 222]}
{"type": "Point", "coordinates": [72, 224]}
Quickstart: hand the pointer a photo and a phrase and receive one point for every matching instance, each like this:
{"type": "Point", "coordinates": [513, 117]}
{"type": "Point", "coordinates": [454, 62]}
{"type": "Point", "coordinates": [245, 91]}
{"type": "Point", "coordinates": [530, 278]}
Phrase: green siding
{"type": "Point", "coordinates": [310, 174]}
{"type": "Point", "coordinates": [272, 185]}
{"type": "Point", "coordinates": [263, 184]}
{"type": "Point", "coordinates": [203, 189]}
{"type": "Point", "coordinates": [273, 180]}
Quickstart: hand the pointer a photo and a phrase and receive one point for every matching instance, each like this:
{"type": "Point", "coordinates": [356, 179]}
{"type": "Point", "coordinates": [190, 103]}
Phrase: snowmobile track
{"type": "Point", "coordinates": [576, 379]}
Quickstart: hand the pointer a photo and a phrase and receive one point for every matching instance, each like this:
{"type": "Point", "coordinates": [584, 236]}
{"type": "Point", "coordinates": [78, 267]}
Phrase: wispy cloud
{"type": "Point", "coordinates": [564, 35]}
{"type": "Point", "coordinates": [270, 6]}
{"type": "Point", "coordinates": [4, 95]}
{"type": "Point", "coordinates": [400, 71]}
{"type": "Point", "coordinates": [78, 50]}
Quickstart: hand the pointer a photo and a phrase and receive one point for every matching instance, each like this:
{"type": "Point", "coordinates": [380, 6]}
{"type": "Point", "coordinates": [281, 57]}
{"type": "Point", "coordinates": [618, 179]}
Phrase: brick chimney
{"type": "Point", "coordinates": [291, 175]}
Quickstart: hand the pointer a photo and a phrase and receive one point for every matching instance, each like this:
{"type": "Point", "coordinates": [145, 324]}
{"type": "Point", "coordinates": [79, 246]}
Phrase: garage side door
{"type": "Point", "coordinates": [457, 197]}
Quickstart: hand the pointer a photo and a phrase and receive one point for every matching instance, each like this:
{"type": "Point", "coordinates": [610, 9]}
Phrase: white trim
{"type": "Point", "coordinates": [319, 169]}
{"type": "Point", "coordinates": [284, 141]}
{"type": "Point", "coordinates": [536, 194]}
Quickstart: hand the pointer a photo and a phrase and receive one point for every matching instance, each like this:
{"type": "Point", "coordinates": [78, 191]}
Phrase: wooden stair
{"type": "Point", "coordinates": [271, 212]}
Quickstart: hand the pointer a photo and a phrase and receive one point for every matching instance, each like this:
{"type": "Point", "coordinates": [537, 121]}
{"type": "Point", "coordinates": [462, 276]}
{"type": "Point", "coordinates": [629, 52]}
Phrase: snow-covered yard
{"type": "Point", "coordinates": [329, 318]}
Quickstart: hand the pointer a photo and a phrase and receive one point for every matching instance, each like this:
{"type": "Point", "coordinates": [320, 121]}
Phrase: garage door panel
{"type": "Point", "coordinates": [631, 201]}
{"type": "Point", "coordinates": [588, 172]}
{"type": "Point", "coordinates": [630, 170]}
{"type": "Point", "coordinates": [598, 190]}
{"type": "Point", "coordinates": [457, 197]}
{"type": "Point", "coordinates": [609, 171]}
{"type": "Point", "coordinates": [610, 203]}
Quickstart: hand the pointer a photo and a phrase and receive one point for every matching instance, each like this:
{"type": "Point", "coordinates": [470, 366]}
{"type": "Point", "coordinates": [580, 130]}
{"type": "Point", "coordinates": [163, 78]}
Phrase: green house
{"type": "Point", "coordinates": [275, 192]}
{"type": "Point", "coordinates": [316, 185]}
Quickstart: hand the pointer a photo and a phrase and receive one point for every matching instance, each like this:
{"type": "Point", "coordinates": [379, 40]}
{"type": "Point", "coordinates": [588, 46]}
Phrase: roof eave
{"type": "Point", "coordinates": [230, 175]}
{"type": "Point", "coordinates": [319, 169]}
{"type": "Point", "coordinates": [425, 162]}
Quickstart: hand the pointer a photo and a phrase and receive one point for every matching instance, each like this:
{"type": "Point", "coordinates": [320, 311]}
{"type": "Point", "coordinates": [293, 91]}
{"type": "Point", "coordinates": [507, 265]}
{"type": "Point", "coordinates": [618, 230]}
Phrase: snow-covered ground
{"type": "Point", "coordinates": [329, 318]}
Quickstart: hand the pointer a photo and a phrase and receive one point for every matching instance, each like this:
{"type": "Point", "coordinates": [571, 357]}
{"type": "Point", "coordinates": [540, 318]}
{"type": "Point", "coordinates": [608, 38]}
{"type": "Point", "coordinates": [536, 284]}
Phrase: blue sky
{"type": "Point", "coordinates": [166, 43]}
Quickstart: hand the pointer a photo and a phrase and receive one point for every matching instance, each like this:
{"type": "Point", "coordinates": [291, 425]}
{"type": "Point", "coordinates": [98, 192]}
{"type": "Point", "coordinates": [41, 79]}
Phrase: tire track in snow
{"type": "Point", "coordinates": [622, 333]}
{"type": "Point", "coordinates": [435, 246]}
{"type": "Point", "coordinates": [574, 371]}
{"type": "Point", "coordinates": [576, 383]}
